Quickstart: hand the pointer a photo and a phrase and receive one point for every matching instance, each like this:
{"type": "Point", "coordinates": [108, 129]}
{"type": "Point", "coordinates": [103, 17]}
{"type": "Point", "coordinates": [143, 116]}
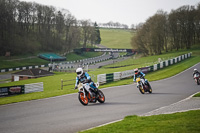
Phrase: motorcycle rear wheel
{"type": "Point", "coordinates": [141, 89]}
{"type": "Point", "coordinates": [101, 97]}
{"type": "Point", "coordinates": [83, 100]}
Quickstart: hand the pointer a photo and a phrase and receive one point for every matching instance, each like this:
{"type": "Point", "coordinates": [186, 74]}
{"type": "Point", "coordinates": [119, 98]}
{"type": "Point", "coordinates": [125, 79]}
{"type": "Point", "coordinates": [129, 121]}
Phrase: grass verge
{"type": "Point", "coordinates": [185, 122]}
{"type": "Point", "coordinates": [197, 95]}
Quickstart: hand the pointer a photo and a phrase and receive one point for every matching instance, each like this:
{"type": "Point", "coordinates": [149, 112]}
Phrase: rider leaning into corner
{"type": "Point", "coordinates": [84, 77]}
{"type": "Point", "coordinates": [195, 72]}
{"type": "Point", "coordinates": [139, 75]}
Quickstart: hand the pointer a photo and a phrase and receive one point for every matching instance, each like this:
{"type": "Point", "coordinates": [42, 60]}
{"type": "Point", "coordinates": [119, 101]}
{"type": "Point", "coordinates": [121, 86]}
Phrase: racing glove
{"type": "Point", "coordinates": [76, 87]}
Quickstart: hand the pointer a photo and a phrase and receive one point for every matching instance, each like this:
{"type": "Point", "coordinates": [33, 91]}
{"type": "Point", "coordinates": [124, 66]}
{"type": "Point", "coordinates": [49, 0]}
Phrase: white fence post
{"type": "Point", "coordinates": [155, 67]}
{"type": "Point", "coordinates": [166, 63]}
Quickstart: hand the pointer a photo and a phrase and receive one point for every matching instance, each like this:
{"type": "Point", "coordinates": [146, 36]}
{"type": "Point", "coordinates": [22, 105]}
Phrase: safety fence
{"type": "Point", "coordinates": [106, 78]}
{"type": "Point", "coordinates": [67, 83]}
{"type": "Point", "coordinates": [21, 89]}
{"type": "Point", "coordinates": [22, 68]}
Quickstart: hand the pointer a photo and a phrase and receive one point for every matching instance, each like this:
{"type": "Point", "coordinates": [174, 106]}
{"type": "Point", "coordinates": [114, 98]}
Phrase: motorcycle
{"type": "Point", "coordinates": [87, 94]}
{"type": "Point", "coordinates": [143, 86]}
{"type": "Point", "coordinates": [197, 78]}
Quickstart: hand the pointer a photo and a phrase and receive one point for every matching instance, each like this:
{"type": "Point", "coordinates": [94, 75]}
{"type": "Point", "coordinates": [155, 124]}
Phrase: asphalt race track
{"type": "Point", "coordinates": [65, 114]}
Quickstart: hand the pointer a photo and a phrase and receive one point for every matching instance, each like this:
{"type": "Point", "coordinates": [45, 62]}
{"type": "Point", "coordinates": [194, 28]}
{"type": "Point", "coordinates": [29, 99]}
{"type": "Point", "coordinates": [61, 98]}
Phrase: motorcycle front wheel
{"type": "Point", "coordinates": [101, 97]}
{"type": "Point", "coordinates": [141, 89]}
{"type": "Point", "coordinates": [150, 89]}
{"type": "Point", "coordinates": [83, 100]}
{"type": "Point", "coordinates": [198, 81]}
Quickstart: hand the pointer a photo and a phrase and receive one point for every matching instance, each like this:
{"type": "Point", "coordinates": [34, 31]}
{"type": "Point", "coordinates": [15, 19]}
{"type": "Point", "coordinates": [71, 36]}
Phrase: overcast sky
{"type": "Point", "coordinates": [122, 11]}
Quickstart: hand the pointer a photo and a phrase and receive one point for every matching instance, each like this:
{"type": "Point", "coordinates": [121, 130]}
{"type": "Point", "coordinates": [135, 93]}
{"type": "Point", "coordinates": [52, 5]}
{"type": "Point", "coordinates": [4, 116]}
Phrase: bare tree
{"type": "Point", "coordinates": [85, 24]}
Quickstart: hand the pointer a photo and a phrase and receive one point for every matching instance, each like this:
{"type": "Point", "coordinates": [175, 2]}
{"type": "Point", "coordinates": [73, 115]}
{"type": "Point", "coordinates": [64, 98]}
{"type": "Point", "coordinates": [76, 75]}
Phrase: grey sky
{"type": "Point", "coordinates": [122, 11]}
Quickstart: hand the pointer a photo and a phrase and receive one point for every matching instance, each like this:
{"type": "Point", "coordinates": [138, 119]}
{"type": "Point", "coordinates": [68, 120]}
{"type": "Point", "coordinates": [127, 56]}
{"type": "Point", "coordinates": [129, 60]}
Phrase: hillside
{"type": "Point", "coordinates": [116, 38]}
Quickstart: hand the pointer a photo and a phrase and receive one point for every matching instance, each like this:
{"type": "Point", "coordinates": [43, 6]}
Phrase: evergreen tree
{"type": "Point", "coordinates": [98, 37]}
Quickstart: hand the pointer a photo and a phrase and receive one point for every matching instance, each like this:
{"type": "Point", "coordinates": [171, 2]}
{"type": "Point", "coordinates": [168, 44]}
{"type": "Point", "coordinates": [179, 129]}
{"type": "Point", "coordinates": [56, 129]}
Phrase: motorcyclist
{"type": "Point", "coordinates": [84, 77]}
{"type": "Point", "coordinates": [139, 75]}
{"type": "Point", "coordinates": [195, 72]}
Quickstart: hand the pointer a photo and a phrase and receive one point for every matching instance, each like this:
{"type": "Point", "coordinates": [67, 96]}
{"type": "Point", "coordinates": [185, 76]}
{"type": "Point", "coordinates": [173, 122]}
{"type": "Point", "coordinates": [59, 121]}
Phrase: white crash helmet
{"type": "Point", "coordinates": [136, 71]}
{"type": "Point", "coordinates": [79, 71]}
{"type": "Point", "coordinates": [195, 70]}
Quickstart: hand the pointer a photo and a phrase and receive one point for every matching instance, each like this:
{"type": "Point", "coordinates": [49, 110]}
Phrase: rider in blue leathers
{"type": "Point", "coordinates": [139, 75]}
{"type": "Point", "coordinates": [84, 77]}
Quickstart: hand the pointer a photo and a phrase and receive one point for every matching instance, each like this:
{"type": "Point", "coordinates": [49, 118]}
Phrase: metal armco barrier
{"type": "Point", "coordinates": [105, 78]}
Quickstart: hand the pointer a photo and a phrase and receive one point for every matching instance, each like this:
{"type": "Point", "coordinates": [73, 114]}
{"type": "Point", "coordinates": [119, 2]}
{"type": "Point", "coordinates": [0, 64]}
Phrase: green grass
{"type": "Point", "coordinates": [197, 95]}
{"type": "Point", "coordinates": [20, 63]}
{"type": "Point", "coordinates": [52, 84]}
{"type": "Point", "coordinates": [149, 60]}
{"type": "Point", "coordinates": [186, 122]}
{"type": "Point", "coordinates": [116, 38]}
{"type": "Point", "coordinates": [6, 63]}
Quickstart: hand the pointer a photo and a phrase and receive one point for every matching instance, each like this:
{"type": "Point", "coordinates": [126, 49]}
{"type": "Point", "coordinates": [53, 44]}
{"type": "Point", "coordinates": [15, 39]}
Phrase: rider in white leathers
{"type": "Point", "coordinates": [84, 77]}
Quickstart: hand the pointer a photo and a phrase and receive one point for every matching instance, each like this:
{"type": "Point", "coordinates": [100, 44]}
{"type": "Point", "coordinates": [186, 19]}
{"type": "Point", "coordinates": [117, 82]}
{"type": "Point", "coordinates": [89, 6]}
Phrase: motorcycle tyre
{"type": "Point", "coordinates": [141, 89]}
{"type": "Point", "coordinates": [198, 82]}
{"type": "Point", "coordinates": [101, 99]}
{"type": "Point", "coordinates": [150, 89]}
{"type": "Point", "coordinates": [81, 97]}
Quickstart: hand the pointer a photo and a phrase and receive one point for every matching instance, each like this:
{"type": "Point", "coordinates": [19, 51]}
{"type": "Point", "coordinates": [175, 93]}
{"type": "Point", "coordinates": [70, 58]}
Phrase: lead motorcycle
{"type": "Point", "coordinates": [87, 95]}
{"type": "Point", "coordinates": [143, 85]}
{"type": "Point", "coordinates": [197, 78]}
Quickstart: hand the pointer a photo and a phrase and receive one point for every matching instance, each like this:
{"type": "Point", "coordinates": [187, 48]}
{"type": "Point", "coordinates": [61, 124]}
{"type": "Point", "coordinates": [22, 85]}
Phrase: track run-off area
{"type": "Point", "coordinates": [65, 114]}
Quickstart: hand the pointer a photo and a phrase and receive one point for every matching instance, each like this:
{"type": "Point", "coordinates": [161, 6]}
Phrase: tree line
{"type": "Point", "coordinates": [179, 29]}
{"type": "Point", "coordinates": [112, 24]}
{"type": "Point", "coordinates": [28, 27]}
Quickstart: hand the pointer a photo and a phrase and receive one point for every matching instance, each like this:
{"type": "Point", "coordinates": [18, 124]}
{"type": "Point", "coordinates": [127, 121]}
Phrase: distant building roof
{"type": "Point", "coordinates": [36, 72]}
